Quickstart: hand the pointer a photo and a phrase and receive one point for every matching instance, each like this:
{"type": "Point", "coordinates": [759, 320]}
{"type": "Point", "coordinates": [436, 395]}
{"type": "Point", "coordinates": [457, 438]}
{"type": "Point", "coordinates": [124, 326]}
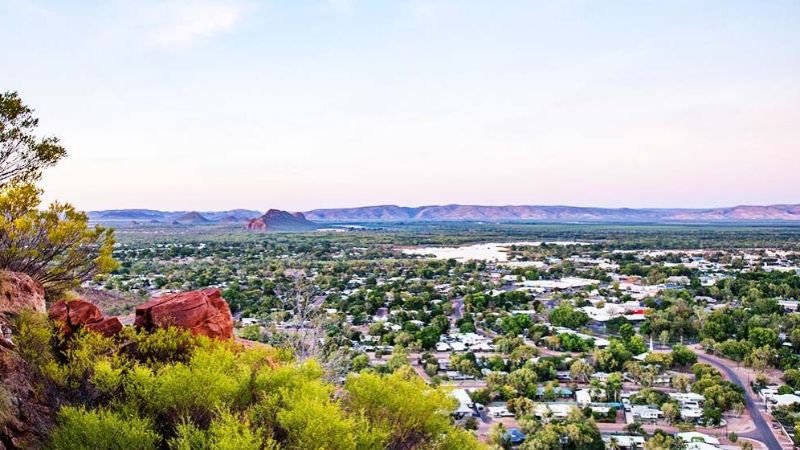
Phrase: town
{"type": "Point", "coordinates": [685, 346]}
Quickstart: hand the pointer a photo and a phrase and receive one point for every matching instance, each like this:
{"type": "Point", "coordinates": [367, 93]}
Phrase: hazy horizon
{"type": "Point", "coordinates": [223, 104]}
{"type": "Point", "coordinates": [499, 205]}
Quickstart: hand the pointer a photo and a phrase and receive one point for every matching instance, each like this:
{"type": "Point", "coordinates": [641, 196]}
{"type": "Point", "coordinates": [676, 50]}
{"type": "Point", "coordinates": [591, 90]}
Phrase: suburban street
{"type": "Point", "coordinates": [763, 431]}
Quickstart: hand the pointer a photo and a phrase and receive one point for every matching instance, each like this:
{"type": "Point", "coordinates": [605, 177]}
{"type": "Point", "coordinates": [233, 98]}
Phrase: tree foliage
{"type": "Point", "coordinates": [23, 155]}
{"type": "Point", "coordinates": [55, 246]}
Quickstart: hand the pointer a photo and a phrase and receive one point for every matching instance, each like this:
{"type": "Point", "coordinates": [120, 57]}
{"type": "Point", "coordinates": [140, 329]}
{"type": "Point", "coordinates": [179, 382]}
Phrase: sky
{"type": "Point", "coordinates": [217, 104]}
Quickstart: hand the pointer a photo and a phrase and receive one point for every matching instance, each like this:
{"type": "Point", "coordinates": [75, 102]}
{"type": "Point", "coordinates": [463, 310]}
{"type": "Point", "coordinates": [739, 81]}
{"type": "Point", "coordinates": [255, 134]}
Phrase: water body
{"type": "Point", "coordinates": [489, 251]}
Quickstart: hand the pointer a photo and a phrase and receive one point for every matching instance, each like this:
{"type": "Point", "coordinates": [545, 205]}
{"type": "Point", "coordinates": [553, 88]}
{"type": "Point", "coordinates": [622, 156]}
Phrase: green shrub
{"type": "Point", "coordinates": [35, 339]}
{"type": "Point", "coordinates": [216, 375]}
{"type": "Point", "coordinates": [189, 437]}
{"type": "Point", "coordinates": [79, 429]}
{"type": "Point", "coordinates": [162, 345]}
{"type": "Point", "coordinates": [409, 410]}
{"type": "Point", "coordinates": [144, 390]}
{"type": "Point", "coordinates": [82, 351]}
{"type": "Point", "coordinates": [226, 432]}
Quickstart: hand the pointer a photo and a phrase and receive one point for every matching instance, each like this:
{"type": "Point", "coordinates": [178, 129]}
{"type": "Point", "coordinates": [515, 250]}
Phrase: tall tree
{"type": "Point", "coordinates": [55, 246]}
{"type": "Point", "coordinates": [23, 154]}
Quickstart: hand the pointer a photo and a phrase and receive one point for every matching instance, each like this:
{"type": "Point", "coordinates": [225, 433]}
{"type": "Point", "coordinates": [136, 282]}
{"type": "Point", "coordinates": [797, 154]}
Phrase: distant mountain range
{"type": "Point", "coordinates": [394, 213]}
{"type": "Point", "coordinates": [178, 217]}
{"type": "Point", "coordinates": [272, 220]}
{"type": "Point", "coordinates": [283, 220]}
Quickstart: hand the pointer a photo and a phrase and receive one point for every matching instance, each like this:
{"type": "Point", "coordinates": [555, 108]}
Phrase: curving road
{"type": "Point", "coordinates": [763, 432]}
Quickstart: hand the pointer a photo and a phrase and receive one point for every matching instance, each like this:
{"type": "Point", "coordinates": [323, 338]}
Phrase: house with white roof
{"type": "Point", "coordinates": [583, 397]}
{"type": "Point", "coordinates": [624, 441]}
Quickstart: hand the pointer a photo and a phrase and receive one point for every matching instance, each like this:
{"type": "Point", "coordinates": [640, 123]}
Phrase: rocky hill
{"type": "Point", "coordinates": [191, 218]}
{"type": "Point", "coordinates": [277, 220]}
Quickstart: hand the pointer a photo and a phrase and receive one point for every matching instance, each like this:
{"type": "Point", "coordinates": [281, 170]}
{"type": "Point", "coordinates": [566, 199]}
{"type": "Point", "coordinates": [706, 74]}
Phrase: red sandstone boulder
{"type": "Point", "coordinates": [108, 326]}
{"type": "Point", "coordinates": [202, 312]}
{"type": "Point", "coordinates": [18, 291]}
{"type": "Point", "coordinates": [76, 314]}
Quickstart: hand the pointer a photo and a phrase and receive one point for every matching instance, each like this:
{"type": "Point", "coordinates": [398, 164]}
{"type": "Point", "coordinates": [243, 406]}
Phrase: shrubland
{"type": "Point", "coordinates": [168, 389]}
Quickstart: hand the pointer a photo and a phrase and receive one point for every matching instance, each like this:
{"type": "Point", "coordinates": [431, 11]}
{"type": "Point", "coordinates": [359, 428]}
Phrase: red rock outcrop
{"type": "Point", "coordinates": [18, 291]}
{"type": "Point", "coordinates": [28, 415]}
{"type": "Point", "coordinates": [277, 220]}
{"type": "Point", "coordinates": [76, 314]}
{"type": "Point", "coordinates": [203, 312]}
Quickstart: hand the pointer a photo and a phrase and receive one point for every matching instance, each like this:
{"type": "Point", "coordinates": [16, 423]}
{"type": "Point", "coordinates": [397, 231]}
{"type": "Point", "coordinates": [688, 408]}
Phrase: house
{"type": "Point", "coordinates": [623, 441]}
{"type": "Point", "coordinates": [779, 400]}
{"type": "Point", "coordinates": [600, 376]}
{"type": "Point", "coordinates": [553, 410]}
{"type": "Point", "coordinates": [676, 282]}
{"type": "Point", "coordinates": [684, 397]}
{"type": "Point", "coordinates": [645, 412]}
{"type": "Point", "coordinates": [663, 378]}
{"type": "Point", "coordinates": [458, 346]}
{"type": "Point", "coordinates": [789, 305]}
{"type": "Point", "coordinates": [563, 375]}
{"type": "Point", "coordinates": [499, 411]}
{"type": "Point", "coordinates": [583, 397]}
{"type": "Point", "coordinates": [770, 396]}
{"type": "Point", "coordinates": [557, 390]}
{"type": "Point", "coordinates": [465, 403]}
{"type": "Point", "coordinates": [690, 414]}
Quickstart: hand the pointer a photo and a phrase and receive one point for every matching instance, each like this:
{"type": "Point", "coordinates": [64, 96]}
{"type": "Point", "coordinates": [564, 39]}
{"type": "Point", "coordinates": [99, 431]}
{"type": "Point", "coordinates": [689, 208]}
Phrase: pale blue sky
{"type": "Point", "coordinates": [213, 104]}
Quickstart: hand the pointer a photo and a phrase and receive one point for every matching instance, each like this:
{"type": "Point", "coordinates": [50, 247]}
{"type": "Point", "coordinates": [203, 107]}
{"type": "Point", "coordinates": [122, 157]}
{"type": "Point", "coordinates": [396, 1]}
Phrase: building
{"type": "Point", "coordinates": [623, 441]}
{"type": "Point", "coordinates": [645, 413]}
{"type": "Point", "coordinates": [465, 403]}
{"type": "Point", "coordinates": [583, 397]}
{"type": "Point", "coordinates": [553, 410]}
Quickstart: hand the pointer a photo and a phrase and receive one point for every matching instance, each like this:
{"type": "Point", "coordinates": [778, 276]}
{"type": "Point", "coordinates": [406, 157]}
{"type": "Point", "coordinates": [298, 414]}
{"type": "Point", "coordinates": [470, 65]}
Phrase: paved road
{"type": "Point", "coordinates": [763, 431]}
{"type": "Point", "coordinates": [458, 308]}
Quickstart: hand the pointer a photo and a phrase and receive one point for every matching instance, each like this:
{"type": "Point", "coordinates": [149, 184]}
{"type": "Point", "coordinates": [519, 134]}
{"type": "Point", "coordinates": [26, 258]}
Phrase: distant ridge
{"type": "Point", "coordinates": [154, 216]}
{"type": "Point", "coordinates": [457, 212]}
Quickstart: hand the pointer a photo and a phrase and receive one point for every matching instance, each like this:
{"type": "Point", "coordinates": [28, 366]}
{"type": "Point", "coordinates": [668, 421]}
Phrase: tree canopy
{"type": "Point", "coordinates": [23, 154]}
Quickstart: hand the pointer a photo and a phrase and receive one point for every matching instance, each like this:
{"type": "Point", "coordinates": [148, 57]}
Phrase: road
{"type": "Point", "coordinates": [458, 309]}
{"type": "Point", "coordinates": [763, 431]}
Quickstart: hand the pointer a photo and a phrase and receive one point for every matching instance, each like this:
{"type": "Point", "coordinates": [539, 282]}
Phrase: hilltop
{"type": "Point", "coordinates": [277, 220]}
{"type": "Point", "coordinates": [192, 218]}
